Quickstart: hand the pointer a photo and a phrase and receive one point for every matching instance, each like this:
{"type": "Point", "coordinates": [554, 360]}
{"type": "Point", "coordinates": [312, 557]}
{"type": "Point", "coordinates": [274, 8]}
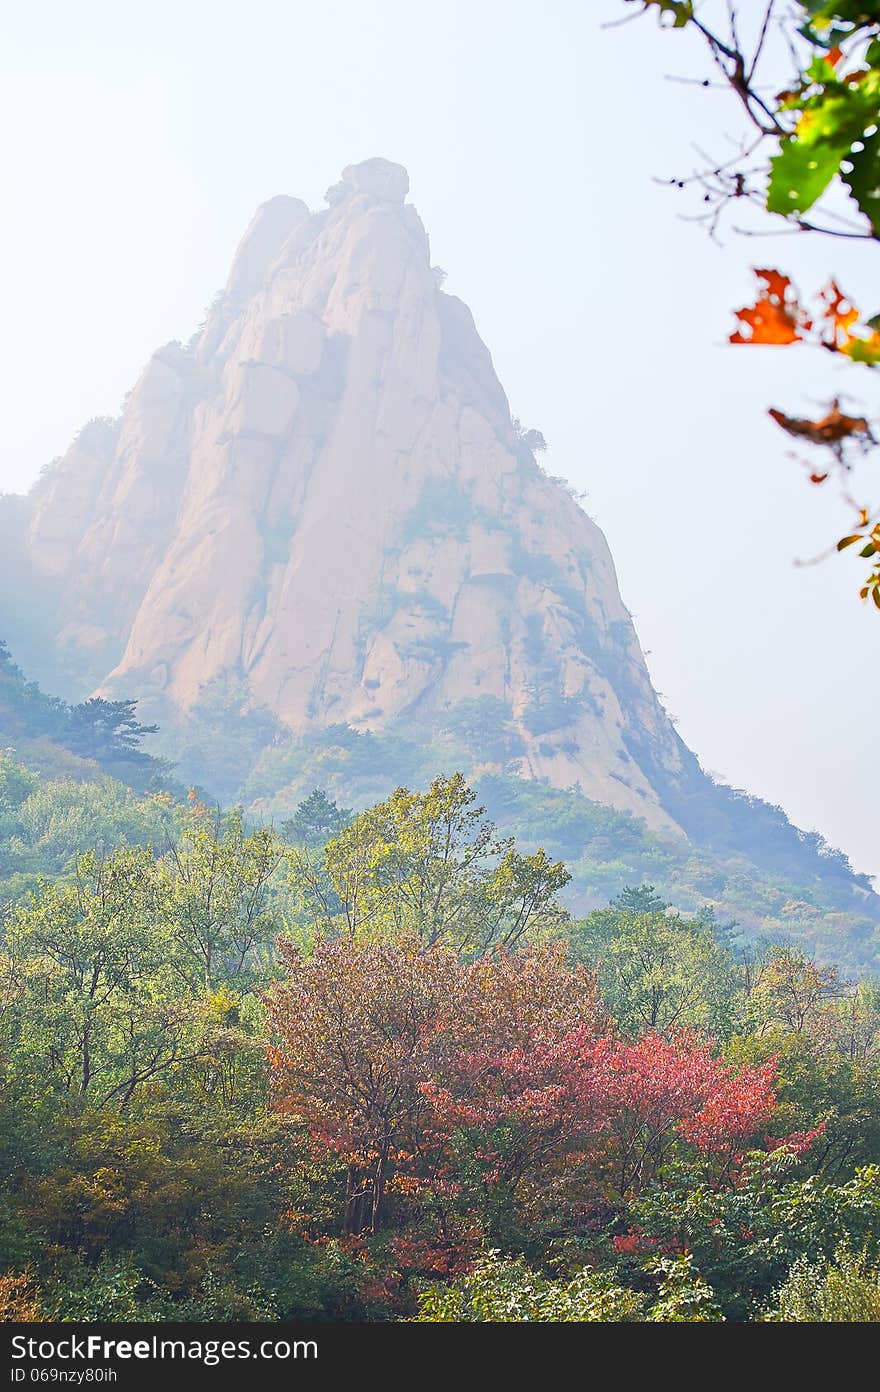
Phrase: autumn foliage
{"type": "Point", "coordinates": [805, 81]}
{"type": "Point", "coordinates": [373, 1034]}
{"type": "Point", "coordinates": [455, 1101]}
{"type": "Point", "coordinates": [444, 1085]}
{"type": "Point", "coordinates": [778, 319]}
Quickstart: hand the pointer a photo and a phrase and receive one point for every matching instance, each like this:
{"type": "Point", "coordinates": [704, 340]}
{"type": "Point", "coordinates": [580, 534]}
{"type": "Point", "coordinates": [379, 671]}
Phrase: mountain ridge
{"type": "Point", "coordinates": [323, 503]}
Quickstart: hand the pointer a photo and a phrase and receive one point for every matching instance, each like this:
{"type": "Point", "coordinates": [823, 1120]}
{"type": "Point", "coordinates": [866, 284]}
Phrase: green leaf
{"type": "Point", "coordinates": [800, 173]}
{"type": "Point", "coordinates": [863, 350]}
{"type": "Point", "coordinates": [868, 550]}
{"type": "Point", "coordinates": [831, 122]}
{"type": "Point", "coordinates": [682, 11]}
{"type": "Point", "coordinates": [850, 12]}
{"type": "Point", "coordinates": [864, 180]}
{"type": "Point", "coordinates": [809, 159]}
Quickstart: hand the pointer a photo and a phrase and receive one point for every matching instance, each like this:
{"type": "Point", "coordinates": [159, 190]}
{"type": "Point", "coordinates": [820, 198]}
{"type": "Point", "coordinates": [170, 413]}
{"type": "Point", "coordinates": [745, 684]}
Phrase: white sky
{"type": "Point", "coordinates": [140, 137]}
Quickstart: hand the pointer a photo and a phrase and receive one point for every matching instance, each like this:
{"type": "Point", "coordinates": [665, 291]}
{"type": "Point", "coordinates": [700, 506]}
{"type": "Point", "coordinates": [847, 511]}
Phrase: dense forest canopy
{"type": "Point", "coordinates": [371, 1067]}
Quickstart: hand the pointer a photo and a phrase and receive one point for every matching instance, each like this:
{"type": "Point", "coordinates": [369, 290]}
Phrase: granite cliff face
{"type": "Point", "coordinates": [323, 503]}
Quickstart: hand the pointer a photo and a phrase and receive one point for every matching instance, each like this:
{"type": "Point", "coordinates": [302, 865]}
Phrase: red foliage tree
{"type": "Point", "coordinates": [658, 1091]}
{"type": "Point", "coordinates": [455, 1083]}
{"type": "Point", "coordinates": [369, 1033]}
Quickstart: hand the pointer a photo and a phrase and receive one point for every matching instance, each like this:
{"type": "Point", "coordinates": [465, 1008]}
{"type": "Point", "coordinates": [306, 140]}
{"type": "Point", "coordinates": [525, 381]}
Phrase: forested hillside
{"type": "Point", "coordinates": [372, 1068]}
{"type": "Point", "coordinates": [77, 778]}
{"type": "Point", "coordinates": [82, 739]}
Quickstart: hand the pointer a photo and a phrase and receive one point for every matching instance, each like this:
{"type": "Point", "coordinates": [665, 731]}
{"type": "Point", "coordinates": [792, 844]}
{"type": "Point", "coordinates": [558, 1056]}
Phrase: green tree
{"type": "Point", "coordinates": [787, 990]}
{"type": "Point", "coordinates": [659, 971]}
{"type": "Point", "coordinates": [483, 724]}
{"type": "Point", "coordinates": [639, 899]}
{"type": "Point", "coordinates": [110, 733]}
{"type": "Point", "coordinates": [826, 1038]}
{"type": "Point", "coordinates": [96, 1014]}
{"type": "Point", "coordinates": [684, 1297]}
{"type": "Point", "coordinates": [214, 892]}
{"type": "Point", "coordinates": [431, 864]}
{"type": "Point", "coordinates": [43, 832]}
{"type": "Point", "coordinates": [316, 821]}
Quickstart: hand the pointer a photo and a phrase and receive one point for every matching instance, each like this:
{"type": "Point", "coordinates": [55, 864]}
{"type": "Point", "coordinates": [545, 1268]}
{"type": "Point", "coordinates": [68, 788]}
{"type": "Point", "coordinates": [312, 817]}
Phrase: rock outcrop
{"type": "Point", "coordinates": [323, 501]}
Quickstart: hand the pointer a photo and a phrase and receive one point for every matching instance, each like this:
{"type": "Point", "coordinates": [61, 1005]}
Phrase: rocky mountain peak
{"type": "Point", "coordinates": [378, 178]}
{"type": "Point", "coordinates": [323, 504]}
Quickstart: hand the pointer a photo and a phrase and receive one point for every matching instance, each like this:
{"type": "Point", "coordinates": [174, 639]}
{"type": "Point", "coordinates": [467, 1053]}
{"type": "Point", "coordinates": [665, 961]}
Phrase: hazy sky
{"type": "Point", "coordinates": [141, 137]}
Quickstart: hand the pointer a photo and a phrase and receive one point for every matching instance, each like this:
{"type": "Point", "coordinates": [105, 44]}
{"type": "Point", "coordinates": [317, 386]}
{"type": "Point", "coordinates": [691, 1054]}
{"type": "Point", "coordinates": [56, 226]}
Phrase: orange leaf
{"type": "Point", "coordinates": [830, 430]}
{"type": "Point", "coordinates": [839, 311]}
{"type": "Point", "coordinates": [776, 317]}
{"type": "Point", "coordinates": [778, 285]}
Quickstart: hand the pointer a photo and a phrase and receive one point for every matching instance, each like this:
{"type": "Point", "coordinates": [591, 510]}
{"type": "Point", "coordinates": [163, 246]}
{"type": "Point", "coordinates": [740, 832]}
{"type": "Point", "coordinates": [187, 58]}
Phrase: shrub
{"type": "Point", "coordinates": [499, 1290]}
{"type": "Point", "coordinates": [843, 1291]}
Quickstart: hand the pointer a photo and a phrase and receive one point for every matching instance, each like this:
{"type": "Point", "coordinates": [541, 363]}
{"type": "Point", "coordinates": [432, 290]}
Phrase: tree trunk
{"type": "Point", "coordinates": [379, 1189]}
{"type": "Point", "coordinates": [356, 1194]}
